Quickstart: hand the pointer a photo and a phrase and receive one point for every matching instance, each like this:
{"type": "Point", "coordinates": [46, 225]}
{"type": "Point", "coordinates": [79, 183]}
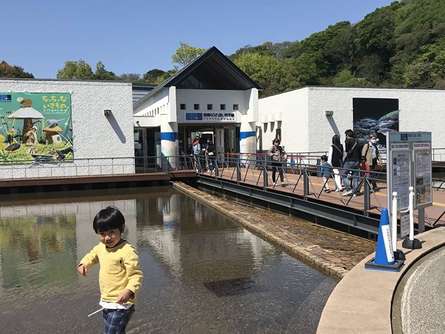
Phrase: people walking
{"type": "Point", "coordinates": [278, 157]}
{"type": "Point", "coordinates": [335, 158]}
{"type": "Point", "coordinates": [196, 150]}
{"type": "Point", "coordinates": [351, 164]}
{"type": "Point", "coordinates": [370, 160]}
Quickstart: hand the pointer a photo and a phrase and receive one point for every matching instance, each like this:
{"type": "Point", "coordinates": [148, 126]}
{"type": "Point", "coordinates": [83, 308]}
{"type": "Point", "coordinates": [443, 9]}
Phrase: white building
{"type": "Point", "coordinates": [97, 128]}
{"type": "Point", "coordinates": [210, 97]}
{"type": "Point", "coordinates": [307, 118]}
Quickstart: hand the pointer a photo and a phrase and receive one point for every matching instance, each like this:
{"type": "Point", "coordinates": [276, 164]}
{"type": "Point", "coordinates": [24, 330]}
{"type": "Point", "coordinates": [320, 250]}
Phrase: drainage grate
{"type": "Point", "coordinates": [231, 287]}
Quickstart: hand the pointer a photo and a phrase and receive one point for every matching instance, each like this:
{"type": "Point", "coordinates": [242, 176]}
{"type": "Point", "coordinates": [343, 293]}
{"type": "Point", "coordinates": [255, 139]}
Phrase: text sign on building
{"type": "Point", "coordinates": [409, 164]}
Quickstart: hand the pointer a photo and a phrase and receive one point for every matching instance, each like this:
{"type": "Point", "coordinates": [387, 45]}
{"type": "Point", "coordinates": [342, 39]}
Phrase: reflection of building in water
{"type": "Point", "coordinates": [37, 250]}
{"type": "Point", "coordinates": [51, 238]}
{"type": "Point", "coordinates": [196, 241]}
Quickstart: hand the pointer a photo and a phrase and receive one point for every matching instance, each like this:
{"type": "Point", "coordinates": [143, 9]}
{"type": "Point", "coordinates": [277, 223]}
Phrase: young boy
{"type": "Point", "coordinates": [119, 276]}
{"type": "Point", "coordinates": [326, 172]}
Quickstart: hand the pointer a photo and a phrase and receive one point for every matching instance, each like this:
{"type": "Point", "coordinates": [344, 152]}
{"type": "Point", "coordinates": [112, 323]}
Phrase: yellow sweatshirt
{"type": "Point", "coordinates": [119, 269]}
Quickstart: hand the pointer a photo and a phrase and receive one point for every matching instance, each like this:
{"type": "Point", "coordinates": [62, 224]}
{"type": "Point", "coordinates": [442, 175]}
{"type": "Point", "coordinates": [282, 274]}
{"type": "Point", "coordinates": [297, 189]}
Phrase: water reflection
{"type": "Point", "coordinates": [201, 270]}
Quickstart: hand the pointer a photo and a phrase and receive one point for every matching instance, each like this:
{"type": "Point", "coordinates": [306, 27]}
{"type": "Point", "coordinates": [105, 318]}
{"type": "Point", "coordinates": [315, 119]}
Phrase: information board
{"type": "Point", "coordinates": [400, 174]}
{"type": "Point", "coordinates": [423, 174]}
{"type": "Point", "coordinates": [409, 163]}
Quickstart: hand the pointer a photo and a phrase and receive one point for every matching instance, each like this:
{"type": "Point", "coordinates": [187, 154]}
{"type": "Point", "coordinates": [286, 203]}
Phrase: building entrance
{"type": "Point", "coordinates": [147, 145]}
{"type": "Point", "coordinates": [224, 138]}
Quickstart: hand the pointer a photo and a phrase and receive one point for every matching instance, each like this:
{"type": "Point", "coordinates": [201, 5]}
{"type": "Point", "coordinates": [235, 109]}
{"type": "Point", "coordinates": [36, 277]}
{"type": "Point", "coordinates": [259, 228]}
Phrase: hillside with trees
{"type": "Point", "coordinates": [401, 45]}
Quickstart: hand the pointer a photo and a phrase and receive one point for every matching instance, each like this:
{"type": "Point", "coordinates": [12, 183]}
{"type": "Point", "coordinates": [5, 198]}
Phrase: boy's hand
{"type": "Point", "coordinates": [124, 296]}
{"type": "Point", "coordinates": [82, 270]}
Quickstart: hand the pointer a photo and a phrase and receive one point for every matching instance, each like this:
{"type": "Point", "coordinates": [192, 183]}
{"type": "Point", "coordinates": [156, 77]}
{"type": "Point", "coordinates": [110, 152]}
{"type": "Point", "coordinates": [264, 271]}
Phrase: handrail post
{"type": "Point", "coordinates": [366, 196]}
{"type": "Point", "coordinates": [305, 182]}
{"type": "Point", "coordinates": [265, 175]}
{"type": "Point", "coordinates": [238, 170]}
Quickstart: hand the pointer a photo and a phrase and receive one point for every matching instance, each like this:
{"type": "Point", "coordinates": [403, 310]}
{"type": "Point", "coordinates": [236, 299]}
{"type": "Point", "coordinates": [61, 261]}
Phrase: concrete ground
{"type": "Point", "coordinates": [362, 301]}
{"type": "Point", "coordinates": [418, 304]}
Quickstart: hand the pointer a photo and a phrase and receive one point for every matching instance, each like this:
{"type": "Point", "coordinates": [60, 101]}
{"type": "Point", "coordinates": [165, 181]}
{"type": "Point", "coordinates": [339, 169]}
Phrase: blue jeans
{"type": "Point", "coordinates": [352, 168]}
{"type": "Point", "coordinates": [115, 321]}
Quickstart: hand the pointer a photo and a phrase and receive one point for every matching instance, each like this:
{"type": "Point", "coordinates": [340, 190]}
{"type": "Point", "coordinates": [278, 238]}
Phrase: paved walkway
{"type": "Point", "coordinates": [362, 301]}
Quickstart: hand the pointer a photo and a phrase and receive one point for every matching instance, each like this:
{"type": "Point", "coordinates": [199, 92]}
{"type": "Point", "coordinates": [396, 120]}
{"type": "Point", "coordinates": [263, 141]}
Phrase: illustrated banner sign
{"type": "Point", "coordinates": [35, 127]}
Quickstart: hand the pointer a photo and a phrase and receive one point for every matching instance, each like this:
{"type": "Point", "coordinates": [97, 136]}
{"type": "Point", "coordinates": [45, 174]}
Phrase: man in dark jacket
{"type": "Point", "coordinates": [351, 163]}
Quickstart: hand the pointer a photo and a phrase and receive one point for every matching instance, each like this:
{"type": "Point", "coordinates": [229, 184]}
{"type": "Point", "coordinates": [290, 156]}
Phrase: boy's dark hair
{"type": "Point", "coordinates": [324, 157]}
{"type": "Point", "coordinates": [108, 219]}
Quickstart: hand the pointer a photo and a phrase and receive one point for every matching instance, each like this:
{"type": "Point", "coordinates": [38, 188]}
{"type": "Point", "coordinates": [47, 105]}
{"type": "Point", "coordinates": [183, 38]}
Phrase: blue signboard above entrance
{"type": "Point", "coordinates": [193, 116]}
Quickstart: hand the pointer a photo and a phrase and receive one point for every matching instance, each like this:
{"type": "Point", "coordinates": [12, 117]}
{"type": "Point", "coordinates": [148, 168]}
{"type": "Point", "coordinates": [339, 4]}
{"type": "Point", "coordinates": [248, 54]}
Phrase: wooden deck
{"type": "Point", "coordinates": [294, 185]}
{"type": "Point", "coordinates": [96, 179]}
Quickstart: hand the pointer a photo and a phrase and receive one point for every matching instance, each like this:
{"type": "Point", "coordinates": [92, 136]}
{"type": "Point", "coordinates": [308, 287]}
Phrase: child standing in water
{"type": "Point", "coordinates": [119, 276]}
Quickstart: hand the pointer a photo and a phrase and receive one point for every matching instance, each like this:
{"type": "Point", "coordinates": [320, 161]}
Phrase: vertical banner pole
{"type": "Point", "coordinates": [394, 221]}
{"type": "Point", "coordinates": [411, 213]}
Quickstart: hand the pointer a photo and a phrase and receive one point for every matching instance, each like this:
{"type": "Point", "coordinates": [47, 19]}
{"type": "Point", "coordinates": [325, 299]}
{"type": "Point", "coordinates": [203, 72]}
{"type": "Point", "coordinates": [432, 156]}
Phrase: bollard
{"type": "Point", "coordinates": [398, 254]}
{"type": "Point", "coordinates": [410, 242]}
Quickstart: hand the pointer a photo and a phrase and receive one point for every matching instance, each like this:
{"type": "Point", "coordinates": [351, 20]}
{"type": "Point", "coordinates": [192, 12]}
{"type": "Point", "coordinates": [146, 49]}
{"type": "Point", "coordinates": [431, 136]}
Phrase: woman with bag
{"type": "Point", "coordinates": [370, 160]}
{"type": "Point", "coordinates": [335, 158]}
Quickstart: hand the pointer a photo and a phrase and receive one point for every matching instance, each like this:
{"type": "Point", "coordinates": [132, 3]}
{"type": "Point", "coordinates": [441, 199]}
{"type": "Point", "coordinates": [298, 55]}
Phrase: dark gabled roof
{"type": "Point", "coordinates": [212, 70]}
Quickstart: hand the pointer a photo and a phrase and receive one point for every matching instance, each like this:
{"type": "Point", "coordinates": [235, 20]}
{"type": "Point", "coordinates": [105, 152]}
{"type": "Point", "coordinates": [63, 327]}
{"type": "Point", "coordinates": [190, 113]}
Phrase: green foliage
{"type": "Point", "coordinates": [185, 54]}
{"type": "Point", "coordinates": [155, 76]}
{"type": "Point", "coordinates": [78, 70]}
{"type": "Point", "coordinates": [11, 71]}
{"type": "Point", "coordinates": [270, 73]}
{"type": "Point", "coordinates": [400, 45]}
{"type": "Point", "coordinates": [102, 74]}
{"type": "Point", "coordinates": [130, 77]}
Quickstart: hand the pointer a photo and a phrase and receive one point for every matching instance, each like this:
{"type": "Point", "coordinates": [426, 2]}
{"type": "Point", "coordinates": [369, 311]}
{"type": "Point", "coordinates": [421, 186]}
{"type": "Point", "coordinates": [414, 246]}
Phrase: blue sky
{"type": "Point", "coordinates": [135, 36]}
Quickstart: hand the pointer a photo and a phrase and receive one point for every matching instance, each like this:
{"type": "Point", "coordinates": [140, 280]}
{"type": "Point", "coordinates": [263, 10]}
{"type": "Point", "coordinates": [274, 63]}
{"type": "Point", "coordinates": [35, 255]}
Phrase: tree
{"type": "Point", "coordinates": [78, 70]}
{"type": "Point", "coordinates": [11, 71]}
{"type": "Point", "coordinates": [130, 77]}
{"type": "Point", "coordinates": [155, 76]}
{"type": "Point", "coordinates": [102, 74]}
{"type": "Point", "coordinates": [272, 75]}
{"type": "Point", "coordinates": [345, 78]}
{"type": "Point", "coordinates": [186, 54]}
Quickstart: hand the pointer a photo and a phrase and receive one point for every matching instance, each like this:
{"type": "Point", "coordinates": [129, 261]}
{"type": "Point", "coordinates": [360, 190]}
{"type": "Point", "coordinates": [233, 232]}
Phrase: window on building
{"type": "Point", "coordinates": [222, 107]}
{"type": "Point", "coordinates": [235, 107]}
{"type": "Point", "coordinates": [209, 106]}
{"type": "Point", "coordinates": [278, 133]}
{"type": "Point", "coordinates": [196, 106]}
{"type": "Point", "coordinates": [182, 106]}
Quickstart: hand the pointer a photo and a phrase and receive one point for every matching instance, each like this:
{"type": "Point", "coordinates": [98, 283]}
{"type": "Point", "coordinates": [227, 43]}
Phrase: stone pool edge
{"type": "Point", "coordinates": [292, 249]}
